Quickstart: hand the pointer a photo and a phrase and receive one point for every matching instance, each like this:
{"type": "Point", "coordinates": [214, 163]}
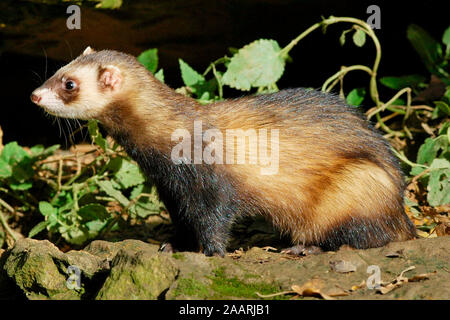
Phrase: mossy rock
{"type": "Point", "coordinates": [38, 269]}
{"type": "Point", "coordinates": [139, 275]}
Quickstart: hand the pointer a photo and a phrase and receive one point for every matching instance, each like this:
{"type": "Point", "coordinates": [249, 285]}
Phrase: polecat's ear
{"type": "Point", "coordinates": [110, 77]}
{"type": "Point", "coordinates": [87, 51]}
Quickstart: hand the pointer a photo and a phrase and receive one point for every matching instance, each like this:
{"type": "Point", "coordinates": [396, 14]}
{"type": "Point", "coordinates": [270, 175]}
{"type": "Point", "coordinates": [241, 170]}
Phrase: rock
{"type": "Point", "coordinates": [133, 269]}
{"type": "Point", "coordinates": [37, 268]}
{"type": "Point", "coordinates": [138, 271]}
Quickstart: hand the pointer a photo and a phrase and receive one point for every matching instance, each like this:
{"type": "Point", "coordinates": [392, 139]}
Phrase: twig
{"type": "Point", "coordinates": [6, 226]}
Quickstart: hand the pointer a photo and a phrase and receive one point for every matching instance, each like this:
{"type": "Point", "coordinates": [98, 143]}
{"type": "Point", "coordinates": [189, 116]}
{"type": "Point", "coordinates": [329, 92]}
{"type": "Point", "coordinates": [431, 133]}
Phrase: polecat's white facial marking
{"type": "Point", "coordinates": [79, 90]}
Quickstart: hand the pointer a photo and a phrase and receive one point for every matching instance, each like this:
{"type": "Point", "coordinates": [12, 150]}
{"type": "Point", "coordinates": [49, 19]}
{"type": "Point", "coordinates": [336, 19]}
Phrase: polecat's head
{"type": "Point", "coordinates": [86, 86]}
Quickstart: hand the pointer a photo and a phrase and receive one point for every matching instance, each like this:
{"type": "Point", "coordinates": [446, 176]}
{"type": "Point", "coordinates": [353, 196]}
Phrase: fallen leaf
{"type": "Point", "coordinates": [268, 248]}
{"type": "Point", "coordinates": [401, 279]}
{"type": "Point", "coordinates": [312, 288]}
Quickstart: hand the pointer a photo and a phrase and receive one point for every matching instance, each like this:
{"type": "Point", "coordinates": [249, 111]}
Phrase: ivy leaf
{"type": "Point", "coordinates": [359, 37]}
{"type": "Point", "coordinates": [149, 59]}
{"type": "Point", "coordinates": [356, 96]}
{"type": "Point", "coordinates": [257, 64]}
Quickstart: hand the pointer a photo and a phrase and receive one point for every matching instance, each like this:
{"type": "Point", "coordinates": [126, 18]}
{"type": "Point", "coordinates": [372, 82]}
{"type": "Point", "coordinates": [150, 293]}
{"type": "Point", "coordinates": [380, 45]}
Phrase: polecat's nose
{"type": "Point", "coordinates": [35, 98]}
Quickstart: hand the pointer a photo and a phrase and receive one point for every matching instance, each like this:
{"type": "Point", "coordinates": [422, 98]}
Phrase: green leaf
{"type": "Point", "coordinates": [149, 59]}
{"type": "Point", "coordinates": [427, 48]}
{"type": "Point", "coordinates": [5, 169]}
{"type": "Point", "coordinates": [13, 153]}
{"type": "Point", "coordinates": [342, 37]}
{"type": "Point", "coordinates": [398, 83]}
{"type": "Point", "coordinates": [429, 149]}
{"type": "Point", "coordinates": [93, 211]}
{"type": "Point", "coordinates": [446, 37]}
{"type": "Point", "coordinates": [190, 76]}
{"type": "Point", "coordinates": [444, 129]}
{"type": "Point", "coordinates": [416, 170]}
{"type": "Point", "coordinates": [23, 170]}
{"type": "Point", "coordinates": [38, 228]}
{"type": "Point", "coordinates": [37, 149]}
{"type": "Point", "coordinates": [145, 206]}
{"type": "Point", "coordinates": [359, 37]}
{"type": "Point", "coordinates": [46, 208]}
{"type": "Point", "coordinates": [443, 107]}
{"type": "Point", "coordinates": [129, 174]}
{"type": "Point", "coordinates": [439, 183]}
{"type": "Point", "coordinates": [160, 75]}
{"type": "Point", "coordinates": [95, 226]}
{"type": "Point", "coordinates": [107, 187]}
{"type": "Point", "coordinates": [108, 4]}
{"type": "Point", "coordinates": [21, 186]}
{"type": "Point", "coordinates": [257, 64]}
{"type": "Point", "coordinates": [356, 96]}
{"type": "Point", "coordinates": [96, 135]}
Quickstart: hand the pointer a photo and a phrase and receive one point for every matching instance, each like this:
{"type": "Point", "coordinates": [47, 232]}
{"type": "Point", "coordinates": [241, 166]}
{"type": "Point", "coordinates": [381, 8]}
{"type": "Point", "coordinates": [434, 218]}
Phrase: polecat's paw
{"type": "Point", "coordinates": [302, 250]}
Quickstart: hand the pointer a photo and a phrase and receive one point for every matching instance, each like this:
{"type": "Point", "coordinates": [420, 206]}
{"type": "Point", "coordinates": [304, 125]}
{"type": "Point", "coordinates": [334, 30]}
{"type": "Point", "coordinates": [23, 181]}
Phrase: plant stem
{"type": "Point", "coordinates": [6, 226]}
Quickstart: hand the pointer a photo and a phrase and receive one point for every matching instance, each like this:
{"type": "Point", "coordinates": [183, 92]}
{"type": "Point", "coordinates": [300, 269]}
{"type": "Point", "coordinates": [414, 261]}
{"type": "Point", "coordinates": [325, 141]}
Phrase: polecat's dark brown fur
{"type": "Point", "coordinates": [338, 182]}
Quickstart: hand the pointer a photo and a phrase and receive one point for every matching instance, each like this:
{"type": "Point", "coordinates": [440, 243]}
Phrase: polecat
{"type": "Point", "coordinates": [336, 180]}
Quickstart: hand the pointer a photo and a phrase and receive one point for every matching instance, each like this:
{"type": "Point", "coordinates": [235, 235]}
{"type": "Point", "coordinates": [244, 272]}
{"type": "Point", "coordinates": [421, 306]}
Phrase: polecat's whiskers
{"type": "Point", "coordinates": [46, 63]}
{"type": "Point", "coordinates": [37, 75]}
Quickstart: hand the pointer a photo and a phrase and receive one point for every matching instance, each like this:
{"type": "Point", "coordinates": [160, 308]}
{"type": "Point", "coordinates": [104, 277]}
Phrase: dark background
{"type": "Point", "coordinates": [34, 43]}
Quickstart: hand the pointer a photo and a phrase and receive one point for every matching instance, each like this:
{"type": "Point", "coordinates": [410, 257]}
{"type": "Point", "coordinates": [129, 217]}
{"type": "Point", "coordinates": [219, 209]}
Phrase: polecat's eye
{"type": "Point", "coordinates": [70, 85]}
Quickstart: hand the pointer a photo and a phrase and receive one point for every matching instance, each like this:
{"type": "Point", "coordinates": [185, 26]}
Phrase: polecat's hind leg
{"type": "Point", "coordinates": [183, 239]}
{"type": "Point", "coordinates": [363, 209]}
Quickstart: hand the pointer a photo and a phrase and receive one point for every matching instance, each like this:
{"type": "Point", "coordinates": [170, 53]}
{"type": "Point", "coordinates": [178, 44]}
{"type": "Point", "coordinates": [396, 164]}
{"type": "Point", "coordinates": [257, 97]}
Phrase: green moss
{"type": "Point", "coordinates": [191, 288]}
{"type": "Point", "coordinates": [179, 256]}
{"type": "Point", "coordinates": [233, 287]}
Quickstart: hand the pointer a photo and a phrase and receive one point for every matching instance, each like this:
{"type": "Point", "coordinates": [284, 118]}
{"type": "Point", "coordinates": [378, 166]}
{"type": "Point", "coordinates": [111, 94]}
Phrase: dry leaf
{"type": "Point", "coordinates": [312, 288]}
{"type": "Point", "coordinates": [400, 280]}
{"type": "Point", "coordinates": [268, 248]}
